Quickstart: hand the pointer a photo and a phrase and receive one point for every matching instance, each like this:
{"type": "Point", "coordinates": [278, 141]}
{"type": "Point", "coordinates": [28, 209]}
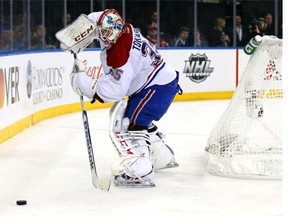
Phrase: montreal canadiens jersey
{"type": "Point", "coordinates": [130, 65]}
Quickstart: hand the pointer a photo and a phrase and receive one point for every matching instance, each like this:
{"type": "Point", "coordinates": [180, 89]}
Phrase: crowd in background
{"type": "Point", "coordinates": [220, 35]}
{"type": "Point", "coordinates": [219, 32]}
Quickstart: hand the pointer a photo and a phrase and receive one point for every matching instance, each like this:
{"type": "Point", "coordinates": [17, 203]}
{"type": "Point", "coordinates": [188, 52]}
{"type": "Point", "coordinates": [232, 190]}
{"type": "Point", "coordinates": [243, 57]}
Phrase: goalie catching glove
{"type": "Point", "coordinates": [78, 35]}
{"type": "Point", "coordinates": [81, 82]}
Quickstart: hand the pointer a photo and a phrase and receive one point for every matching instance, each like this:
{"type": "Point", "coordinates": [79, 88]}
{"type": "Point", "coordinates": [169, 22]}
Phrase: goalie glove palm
{"type": "Point", "coordinates": [82, 83]}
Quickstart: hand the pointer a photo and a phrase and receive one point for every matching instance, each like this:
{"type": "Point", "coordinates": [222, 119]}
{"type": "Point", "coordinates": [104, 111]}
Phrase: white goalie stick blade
{"type": "Point", "coordinates": [78, 35]}
{"type": "Point", "coordinates": [101, 183]}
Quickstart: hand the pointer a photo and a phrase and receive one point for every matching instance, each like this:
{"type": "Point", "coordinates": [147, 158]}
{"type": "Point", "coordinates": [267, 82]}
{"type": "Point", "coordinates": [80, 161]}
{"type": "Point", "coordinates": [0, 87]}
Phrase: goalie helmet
{"type": "Point", "coordinates": [110, 26]}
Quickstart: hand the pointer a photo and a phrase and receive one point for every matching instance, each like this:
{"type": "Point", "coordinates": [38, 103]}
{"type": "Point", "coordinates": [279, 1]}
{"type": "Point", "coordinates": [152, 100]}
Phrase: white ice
{"type": "Point", "coordinates": [47, 165]}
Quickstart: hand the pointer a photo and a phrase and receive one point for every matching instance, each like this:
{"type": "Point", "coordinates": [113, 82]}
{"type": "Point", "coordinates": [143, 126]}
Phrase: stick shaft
{"type": "Point", "coordinates": [97, 183]}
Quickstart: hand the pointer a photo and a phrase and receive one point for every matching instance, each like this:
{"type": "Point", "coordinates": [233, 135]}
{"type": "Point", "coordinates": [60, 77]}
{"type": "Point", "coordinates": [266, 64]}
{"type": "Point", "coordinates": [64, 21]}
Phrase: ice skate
{"type": "Point", "coordinates": [133, 171]}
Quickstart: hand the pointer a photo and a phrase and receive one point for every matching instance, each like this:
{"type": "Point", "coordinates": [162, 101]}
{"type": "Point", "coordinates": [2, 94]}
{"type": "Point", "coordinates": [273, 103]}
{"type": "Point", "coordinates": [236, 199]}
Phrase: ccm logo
{"type": "Point", "coordinates": [84, 34]}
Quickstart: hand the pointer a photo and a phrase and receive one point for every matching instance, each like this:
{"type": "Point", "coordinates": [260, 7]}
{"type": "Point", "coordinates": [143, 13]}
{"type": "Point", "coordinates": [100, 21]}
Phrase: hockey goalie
{"type": "Point", "coordinates": [133, 68]}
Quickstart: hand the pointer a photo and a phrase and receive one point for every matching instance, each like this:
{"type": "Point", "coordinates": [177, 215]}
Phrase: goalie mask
{"type": "Point", "coordinates": [110, 26]}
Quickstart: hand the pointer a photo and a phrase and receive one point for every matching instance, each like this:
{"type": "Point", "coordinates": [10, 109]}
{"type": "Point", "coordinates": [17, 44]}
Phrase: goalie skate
{"type": "Point", "coordinates": [126, 181]}
{"type": "Point", "coordinates": [133, 171]}
{"type": "Point", "coordinates": [171, 164]}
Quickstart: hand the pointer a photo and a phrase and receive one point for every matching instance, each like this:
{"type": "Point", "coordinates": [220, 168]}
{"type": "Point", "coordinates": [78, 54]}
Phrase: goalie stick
{"type": "Point", "coordinates": [99, 183]}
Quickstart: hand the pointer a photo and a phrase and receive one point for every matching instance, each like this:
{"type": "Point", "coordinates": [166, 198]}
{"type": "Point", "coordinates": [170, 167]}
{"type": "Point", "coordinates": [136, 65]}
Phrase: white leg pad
{"type": "Point", "coordinates": [162, 155]}
{"type": "Point", "coordinates": [134, 168]}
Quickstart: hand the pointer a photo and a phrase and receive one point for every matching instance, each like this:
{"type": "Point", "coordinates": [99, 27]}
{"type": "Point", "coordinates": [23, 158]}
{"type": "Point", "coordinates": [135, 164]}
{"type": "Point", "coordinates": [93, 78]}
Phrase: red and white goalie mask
{"type": "Point", "coordinates": [110, 26]}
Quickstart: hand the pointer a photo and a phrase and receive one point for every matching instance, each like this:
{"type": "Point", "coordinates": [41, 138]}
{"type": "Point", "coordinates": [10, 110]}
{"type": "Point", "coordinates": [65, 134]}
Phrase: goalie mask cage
{"type": "Point", "coordinates": [246, 142]}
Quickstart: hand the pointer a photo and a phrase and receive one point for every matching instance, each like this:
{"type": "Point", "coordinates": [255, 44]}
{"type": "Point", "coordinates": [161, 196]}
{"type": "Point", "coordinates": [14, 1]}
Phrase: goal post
{"type": "Point", "coordinates": [246, 141]}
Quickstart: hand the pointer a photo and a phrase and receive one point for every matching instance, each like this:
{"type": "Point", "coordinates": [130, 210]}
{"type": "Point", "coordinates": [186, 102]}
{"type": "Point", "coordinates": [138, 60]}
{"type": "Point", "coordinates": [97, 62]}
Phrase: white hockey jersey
{"type": "Point", "coordinates": [130, 65]}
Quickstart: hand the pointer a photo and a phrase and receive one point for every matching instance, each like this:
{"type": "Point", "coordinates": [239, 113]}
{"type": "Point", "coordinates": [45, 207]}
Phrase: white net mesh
{"type": "Point", "coordinates": [247, 140]}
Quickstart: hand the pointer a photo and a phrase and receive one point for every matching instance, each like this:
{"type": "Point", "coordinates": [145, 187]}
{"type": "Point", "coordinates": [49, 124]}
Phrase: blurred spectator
{"type": "Point", "coordinates": [152, 36]}
{"type": "Point", "coordinates": [201, 41]}
{"type": "Point", "coordinates": [5, 33]}
{"type": "Point", "coordinates": [242, 36]}
{"type": "Point", "coordinates": [183, 35]}
{"type": "Point", "coordinates": [4, 23]}
{"type": "Point", "coordinates": [38, 39]}
{"type": "Point", "coordinates": [262, 26]}
{"type": "Point", "coordinates": [217, 36]}
{"type": "Point", "coordinates": [256, 27]}
{"type": "Point", "coordinates": [269, 29]}
{"type": "Point", "coordinates": [50, 36]}
{"type": "Point", "coordinates": [167, 37]}
{"type": "Point", "coordinates": [19, 39]}
{"type": "Point", "coordinates": [153, 19]}
{"type": "Point", "coordinates": [68, 19]}
{"type": "Point", "coordinates": [5, 40]}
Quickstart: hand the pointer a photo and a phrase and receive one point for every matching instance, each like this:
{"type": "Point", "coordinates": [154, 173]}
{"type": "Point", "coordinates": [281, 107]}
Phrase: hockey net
{"type": "Point", "coordinates": [246, 142]}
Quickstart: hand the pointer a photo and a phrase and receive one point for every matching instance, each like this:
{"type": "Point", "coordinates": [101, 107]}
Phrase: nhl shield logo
{"type": "Point", "coordinates": [197, 68]}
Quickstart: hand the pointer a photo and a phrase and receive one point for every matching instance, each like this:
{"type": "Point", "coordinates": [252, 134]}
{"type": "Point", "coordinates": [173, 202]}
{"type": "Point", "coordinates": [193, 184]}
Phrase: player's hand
{"type": "Point", "coordinates": [78, 66]}
{"type": "Point", "coordinates": [81, 82]}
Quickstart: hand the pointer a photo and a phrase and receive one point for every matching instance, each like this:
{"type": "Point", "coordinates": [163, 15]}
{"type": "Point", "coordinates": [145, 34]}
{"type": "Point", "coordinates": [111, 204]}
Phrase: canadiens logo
{"type": "Point", "coordinates": [197, 68]}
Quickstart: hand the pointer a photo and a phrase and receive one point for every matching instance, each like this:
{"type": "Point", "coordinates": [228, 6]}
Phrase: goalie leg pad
{"type": "Point", "coordinates": [123, 139]}
{"type": "Point", "coordinates": [134, 167]}
{"type": "Point", "coordinates": [118, 126]}
{"type": "Point", "coordinates": [116, 116]}
{"type": "Point", "coordinates": [162, 155]}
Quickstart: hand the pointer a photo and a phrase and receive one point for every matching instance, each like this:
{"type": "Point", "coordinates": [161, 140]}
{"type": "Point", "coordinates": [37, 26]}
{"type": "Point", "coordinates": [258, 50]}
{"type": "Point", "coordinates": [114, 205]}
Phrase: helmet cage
{"type": "Point", "coordinates": [110, 26]}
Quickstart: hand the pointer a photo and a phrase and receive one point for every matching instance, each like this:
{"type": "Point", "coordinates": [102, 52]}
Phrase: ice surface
{"type": "Point", "coordinates": [47, 165]}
